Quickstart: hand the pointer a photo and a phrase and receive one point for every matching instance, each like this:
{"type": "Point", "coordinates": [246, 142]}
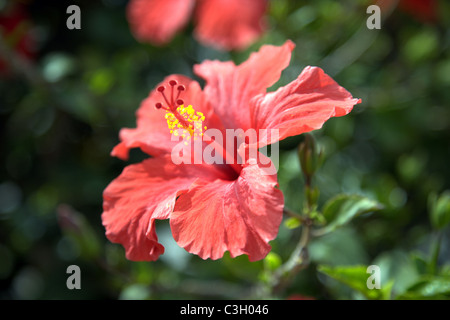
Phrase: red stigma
{"type": "Point", "coordinates": [173, 102]}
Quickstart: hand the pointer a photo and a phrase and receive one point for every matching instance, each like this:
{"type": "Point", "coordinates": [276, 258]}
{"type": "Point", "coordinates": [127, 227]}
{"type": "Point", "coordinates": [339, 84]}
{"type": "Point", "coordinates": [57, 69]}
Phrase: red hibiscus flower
{"type": "Point", "coordinates": [213, 208]}
{"type": "Point", "coordinates": [224, 24]}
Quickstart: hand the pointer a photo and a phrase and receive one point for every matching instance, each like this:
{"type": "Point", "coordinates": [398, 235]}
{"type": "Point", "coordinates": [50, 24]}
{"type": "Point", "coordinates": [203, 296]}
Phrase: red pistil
{"type": "Point", "coordinates": [174, 102]}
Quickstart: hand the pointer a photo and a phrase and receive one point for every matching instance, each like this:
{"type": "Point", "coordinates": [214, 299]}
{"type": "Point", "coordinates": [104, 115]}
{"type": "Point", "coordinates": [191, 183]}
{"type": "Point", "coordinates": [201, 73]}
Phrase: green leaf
{"type": "Point", "coordinates": [339, 210]}
{"type": "Point", "coordinates": [440, 210]}
{"type": "Point", "coordinates": [445, 270]}
{"type": "Point", "coordinates": [420, 262]}
{"type": "Point", "coordinates": [428, 287]}
{"type": "Point", "coordinates": [272, 261]}
{"type": "Point", "coordinates": [397, 265]}
{"type": "Point", "coordinates": [356, 278]}
{"type": "Point", "coordinates": [292, 223]}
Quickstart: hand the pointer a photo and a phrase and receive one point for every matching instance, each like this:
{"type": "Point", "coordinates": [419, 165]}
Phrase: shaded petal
{"type": "Point", "coordinates": [301, 106]}
{"type": "Point", "coordinates": [229, 88]}
{"type": "Point", "coordinates": [142, 193]}
{"type": "Point", "coordinates": [240, 216]}
{"type": "Point", "coordinates": [157, 21]}
{"type": "Point", "coordinates": [230, 24]}
{"type": "Point", "coordinates": [152, 134]}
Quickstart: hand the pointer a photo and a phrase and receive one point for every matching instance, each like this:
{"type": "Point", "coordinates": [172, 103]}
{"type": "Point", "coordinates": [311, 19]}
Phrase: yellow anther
{"type": "Point", "coordinates": [185, 118]}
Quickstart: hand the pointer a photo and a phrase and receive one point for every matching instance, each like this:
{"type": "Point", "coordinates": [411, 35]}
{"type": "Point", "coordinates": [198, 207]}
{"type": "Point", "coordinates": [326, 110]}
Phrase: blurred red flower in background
{"type": "Point", "coordinates": [215, 207]}
{"type": "Point", "coordinates": [15, 30]}
{"type": "Point", "coordinates": [224, 24]}
{"type": "Point", "coordinates": [422, 10]}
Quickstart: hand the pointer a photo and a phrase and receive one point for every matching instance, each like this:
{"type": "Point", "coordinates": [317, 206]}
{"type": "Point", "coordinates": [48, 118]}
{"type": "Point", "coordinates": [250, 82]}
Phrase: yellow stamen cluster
{"type": "Point", "coordinates": [190, 124]}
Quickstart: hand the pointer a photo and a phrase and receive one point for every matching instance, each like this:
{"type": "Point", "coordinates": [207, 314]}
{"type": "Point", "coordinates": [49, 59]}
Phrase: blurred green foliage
{"type": "Point", "coordinates": [392, 151]}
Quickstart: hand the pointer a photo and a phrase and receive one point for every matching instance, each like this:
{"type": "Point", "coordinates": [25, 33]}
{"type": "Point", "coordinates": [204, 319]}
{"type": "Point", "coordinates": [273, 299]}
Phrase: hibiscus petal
{"type": "Point", "coordinates": [152, 134]}
{"type": "Point", "coordinates": [230, 24]}
{"type": "Point", "coordinates": [229, 88]}
{"type": "Point", "coordinates": [240, 216]}
{"type": "Point", "coordinates": [301, 106]}
{"type": "Point", "coordinates": [142, 193]}
{"type": "Point", "coordinates": [157, 21]}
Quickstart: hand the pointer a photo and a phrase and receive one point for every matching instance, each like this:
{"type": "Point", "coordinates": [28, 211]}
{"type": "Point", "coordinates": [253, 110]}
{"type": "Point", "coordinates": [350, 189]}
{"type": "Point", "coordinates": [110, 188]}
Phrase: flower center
{"type": "Point", "coordinates": [181, 121]}
{"type": "Point", "coordinates": [186, 122]}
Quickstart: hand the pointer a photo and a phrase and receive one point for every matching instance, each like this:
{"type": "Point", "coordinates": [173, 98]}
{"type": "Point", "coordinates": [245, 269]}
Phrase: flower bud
{"type": "Point", "coordinates": [309, 155]}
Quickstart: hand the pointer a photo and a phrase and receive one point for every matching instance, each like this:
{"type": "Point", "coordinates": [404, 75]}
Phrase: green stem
{"type": "Point", "coordinates": [295, 215]}
{"type": "Point", "coordinates": [298, 261]}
